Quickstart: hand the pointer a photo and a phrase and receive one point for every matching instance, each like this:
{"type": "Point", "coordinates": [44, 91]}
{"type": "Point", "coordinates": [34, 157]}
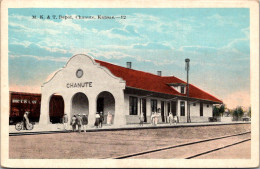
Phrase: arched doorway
{"type": "Point", "coordinates": [106, 103]}
{"type": "Point", "coordinates": [56, 108]}
{"type": "Point", "coordinates": [80, 104]}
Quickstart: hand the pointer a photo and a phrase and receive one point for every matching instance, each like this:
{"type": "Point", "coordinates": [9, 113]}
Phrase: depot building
{"type": "Point", "coordinates": [88, 86]}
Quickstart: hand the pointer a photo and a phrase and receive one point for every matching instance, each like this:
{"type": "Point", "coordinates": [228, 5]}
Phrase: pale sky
{"type": "Point", "coordinates": [216, 40]}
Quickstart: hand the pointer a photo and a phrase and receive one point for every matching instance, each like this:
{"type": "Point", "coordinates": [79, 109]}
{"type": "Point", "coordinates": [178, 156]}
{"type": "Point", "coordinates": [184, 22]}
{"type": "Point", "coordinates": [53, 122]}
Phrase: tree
{"type": "Point", "coordinates": [222, 109]}
{"type": "Point", "coordinates": [216, 111]}
{"type": "Point", "coordinates": [249, 112]}
{"type": "Point", "coordinates": [219, 110]}
{"type": "Point", "coordinates": [238, 113]}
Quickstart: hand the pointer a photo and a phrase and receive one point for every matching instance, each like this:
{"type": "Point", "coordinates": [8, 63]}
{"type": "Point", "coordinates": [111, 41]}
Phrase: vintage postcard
{"type": "Point", "coordinates": [129, 84]}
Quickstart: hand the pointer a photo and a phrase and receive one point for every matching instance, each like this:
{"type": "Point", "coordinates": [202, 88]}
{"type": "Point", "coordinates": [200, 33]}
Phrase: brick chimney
{"type": "Point", "coordinates": [159, 73]}
{"type": "Point", "coordinates": [129, 65]}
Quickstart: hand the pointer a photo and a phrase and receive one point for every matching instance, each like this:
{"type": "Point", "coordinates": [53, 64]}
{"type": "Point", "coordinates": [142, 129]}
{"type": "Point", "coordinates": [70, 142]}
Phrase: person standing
{"type": "Point", "coordinates": [84, 122]}
{"type": "Point", "coordinates": [79, 122]}
{"type": "Point", "coordinates": [170, 118]}
{"type": "Point", "coordinates": [26, 119]}
{"type": "Point", "coordinates": [156, 118]}
{"type": "Point", "coordinates": [73, 123]}
{"type": "Point", "coordinates": [152, 118]}
{"type": "Point", "coordinates": [109, 118]}
{"type": "Point", "coordinates": [175, 119]}
{"type": "Point", "coordinates": [101, 119]}
{"type": "Point", "coordinates": [166, 118]}
{"type": "Point", "coordinates": [141, 118]}
{"type": "Point", "coordinates": [97, 119]}
{"type": "Point", "coordinates": [65, 121]}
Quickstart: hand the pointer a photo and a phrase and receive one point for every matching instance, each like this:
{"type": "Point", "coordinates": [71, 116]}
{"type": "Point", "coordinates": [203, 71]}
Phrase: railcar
{"type": "Point", "coordinates": [21, 102]}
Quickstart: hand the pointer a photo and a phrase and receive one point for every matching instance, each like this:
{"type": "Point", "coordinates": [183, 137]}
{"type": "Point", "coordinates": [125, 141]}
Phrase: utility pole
{"type": "Point", "coordinates": [187, 68]}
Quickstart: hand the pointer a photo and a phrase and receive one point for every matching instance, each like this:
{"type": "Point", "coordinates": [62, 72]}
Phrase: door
{"type": "Point", "coordinates": [162, 111]}
{"type": "Point", "coordinates": [173, 108]}
{"type": "Point", "coordinates": [144, 109]}
{"type": "Point", "coordinates": [100, 104]}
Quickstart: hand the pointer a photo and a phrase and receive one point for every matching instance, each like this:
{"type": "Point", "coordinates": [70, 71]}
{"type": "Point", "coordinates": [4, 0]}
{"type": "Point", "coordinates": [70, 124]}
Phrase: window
{"type": "Point", "coordinates": [173, 108]}
{"type": "Point", "coordinates": [144, 106]}
{"type": "Point", "coordinates": [201, 109]}
{"type": "Point", "coordinates": [194, 104]}
{"type": "Point", "coordinates": [182, 89]}
{"type": "Point", "coordinates": [182, 108]}
{"type": "Point", "coordinates": [162, 110]}
{"type": "Point", "coordinates": [154, 105]}
{"type": "Point", "coordinates": [144, 109]}
{"type": "Point", "coordinates": [207, 105]}
{"type": "Point", "coordinates": [168, 108]}
{"type": "Point", "coordinates": [132, 105]}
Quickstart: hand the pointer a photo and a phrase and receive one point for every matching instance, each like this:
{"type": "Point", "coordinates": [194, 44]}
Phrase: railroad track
{"type": "Point", "coordinates": [185, 145]}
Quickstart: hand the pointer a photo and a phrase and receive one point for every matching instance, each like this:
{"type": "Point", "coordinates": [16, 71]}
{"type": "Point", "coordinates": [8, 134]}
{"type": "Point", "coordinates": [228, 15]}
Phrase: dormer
{"type": "Point", "coordinates": [180, 87]}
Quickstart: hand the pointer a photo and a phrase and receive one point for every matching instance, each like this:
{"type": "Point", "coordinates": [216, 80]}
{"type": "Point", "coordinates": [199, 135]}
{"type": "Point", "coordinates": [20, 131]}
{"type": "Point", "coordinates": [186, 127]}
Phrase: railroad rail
{"type": "Point", "coordinates": [213, 150]}
{"type": "Point", "coordinates": [187, 144]}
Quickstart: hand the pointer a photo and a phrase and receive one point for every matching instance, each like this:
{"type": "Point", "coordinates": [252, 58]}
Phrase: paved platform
{"type": "Point", "coordinates": [54, 128]}
{"type": "Point", "coordinates": [115, 143]}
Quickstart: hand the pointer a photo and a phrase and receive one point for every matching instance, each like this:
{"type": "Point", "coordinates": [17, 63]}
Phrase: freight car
{"type": "Point", "coordinates": [21, 102]}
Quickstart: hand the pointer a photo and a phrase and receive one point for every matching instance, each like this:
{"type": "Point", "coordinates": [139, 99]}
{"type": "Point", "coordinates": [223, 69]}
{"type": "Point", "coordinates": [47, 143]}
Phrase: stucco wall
{"type": "Point", "coordinates": [195, 113]}
{"type": "Point", "coordinates": [195, 110]}
{"type": "Point", "coordinates": [97, 78]}
{"type": "Point", "coordinates": [135, 118]}
{"type": "Point", "coordinates": [207, 111]}
{"type": "Point", "coordinates": [197, 119]}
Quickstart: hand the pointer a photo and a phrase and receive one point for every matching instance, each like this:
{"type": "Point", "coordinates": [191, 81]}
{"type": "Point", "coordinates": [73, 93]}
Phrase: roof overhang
{"type": "Point", "coordinates": [176, 84]}
{"type": "Point", "coordinates": [142, 92]}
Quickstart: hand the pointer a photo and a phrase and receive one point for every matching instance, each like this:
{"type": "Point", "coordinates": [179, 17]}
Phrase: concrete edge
{"type": "Point", "coordinates": [124, 128]}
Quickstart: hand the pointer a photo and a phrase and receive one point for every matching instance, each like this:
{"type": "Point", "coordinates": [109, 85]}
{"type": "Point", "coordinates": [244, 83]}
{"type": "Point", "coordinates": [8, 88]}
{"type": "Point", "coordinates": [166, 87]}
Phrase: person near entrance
{"type": "Point", "coordinates": [73, 123]}
{"type": "Point", "coordinates": [109, 118]}
{"type": "Point", "coordinates": [156, 118]}
{"type": "Point", "coordinates": [141, 118]}
{"type": "Point", "coordinates": [97, 120]}
{"type": "Point", "coordinates": [84, 122]}
{"type": "Point", "coordinates": [65, 121]}
{"type": "Point", "coordinates": [170, 118]}
{"type": "Point", "coordinates": [79, 122]}
{"type": "Point", "coordinates": [101, 119]}
{"type": "Point", "coordinates": [175, 119]}
{"type": "Point", "coordinates": [153, 118]}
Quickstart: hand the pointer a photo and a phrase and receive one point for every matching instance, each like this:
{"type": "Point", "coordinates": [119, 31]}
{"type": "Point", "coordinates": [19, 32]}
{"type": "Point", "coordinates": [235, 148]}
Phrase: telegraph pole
{"type": "Point", "coordinates": [187, 68]}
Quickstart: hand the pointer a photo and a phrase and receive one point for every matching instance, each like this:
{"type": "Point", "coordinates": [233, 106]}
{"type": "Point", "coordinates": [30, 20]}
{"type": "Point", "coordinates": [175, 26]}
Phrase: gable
{"type": "Point", "coordinates": [82, 73]}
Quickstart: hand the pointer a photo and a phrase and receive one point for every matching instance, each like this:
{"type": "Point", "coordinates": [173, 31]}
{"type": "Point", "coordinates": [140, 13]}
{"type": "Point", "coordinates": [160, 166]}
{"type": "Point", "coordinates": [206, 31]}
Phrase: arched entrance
{"type": "Point", "coordinates": [106, 103]}
{"type": "Point", "coordinates": [80, 104]}
{"type": "Point", "coordinates": [56, 108]}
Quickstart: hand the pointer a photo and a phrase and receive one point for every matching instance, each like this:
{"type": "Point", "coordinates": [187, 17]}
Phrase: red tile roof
{"type": "Point", "coordinates": [151, 82]}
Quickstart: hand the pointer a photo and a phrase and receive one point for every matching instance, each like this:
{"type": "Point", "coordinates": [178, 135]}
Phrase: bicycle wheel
{"type": "Point", "coordinates": [18, 126]}
{"type": "Point", "coordinates": [29, 126]}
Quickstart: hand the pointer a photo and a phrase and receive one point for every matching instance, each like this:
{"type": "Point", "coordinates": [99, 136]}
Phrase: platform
{"type": "Point", "coordinates": [54, 128]}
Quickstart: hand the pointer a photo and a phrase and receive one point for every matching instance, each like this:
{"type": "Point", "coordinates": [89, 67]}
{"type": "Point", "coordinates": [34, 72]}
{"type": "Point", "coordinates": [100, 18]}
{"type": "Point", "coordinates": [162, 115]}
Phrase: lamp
{"type": "Point", "coordinates": [187, 68]}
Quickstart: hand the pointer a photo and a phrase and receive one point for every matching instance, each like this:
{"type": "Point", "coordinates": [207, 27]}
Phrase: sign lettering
{"type": "Point", "coordinates": [79, 85]}
{"type": "Point", "coordinates": [24, 101]}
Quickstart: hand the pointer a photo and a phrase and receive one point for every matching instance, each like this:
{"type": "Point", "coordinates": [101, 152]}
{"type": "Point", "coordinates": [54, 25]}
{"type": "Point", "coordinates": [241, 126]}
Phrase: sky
{"type": "Point", "coordinates": [216, 40]}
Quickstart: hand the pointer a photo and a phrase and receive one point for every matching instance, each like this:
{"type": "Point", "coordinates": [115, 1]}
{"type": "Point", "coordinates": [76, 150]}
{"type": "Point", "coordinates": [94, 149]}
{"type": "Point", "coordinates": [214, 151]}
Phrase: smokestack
{"type": "Point", "coordinates": [129, 65]}
{"type": "Point", "coordinates": [159, 73]}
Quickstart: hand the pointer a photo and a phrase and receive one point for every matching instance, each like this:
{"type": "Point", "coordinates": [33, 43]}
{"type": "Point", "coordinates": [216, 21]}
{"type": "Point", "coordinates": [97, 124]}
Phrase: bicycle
{"type": "Point", "coordinates": [20, 125]}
